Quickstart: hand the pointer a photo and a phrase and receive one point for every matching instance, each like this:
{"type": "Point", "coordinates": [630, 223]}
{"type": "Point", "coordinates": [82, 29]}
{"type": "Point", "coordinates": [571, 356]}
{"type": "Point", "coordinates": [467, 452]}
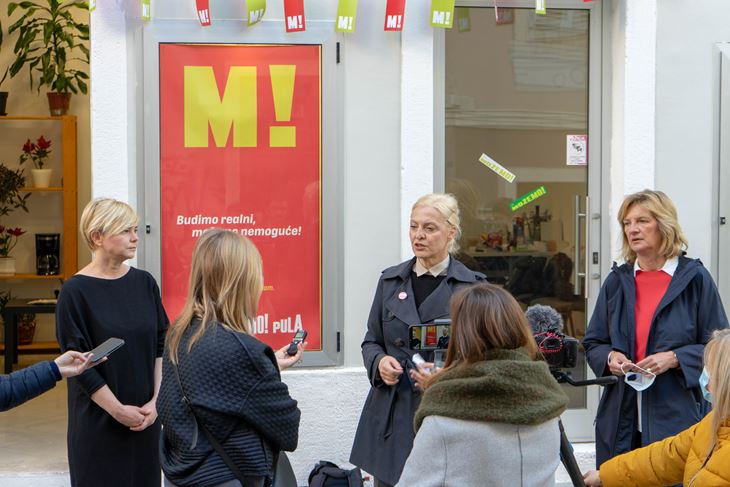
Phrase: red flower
{"type": "Point", "coordinates": [2, 229]}
{"type": "Point", "coordinates": [42, 143]}
{"type": "Point", "coordinates": [17, 232]}
{"type": "Point", "coordinates": [29, 146]}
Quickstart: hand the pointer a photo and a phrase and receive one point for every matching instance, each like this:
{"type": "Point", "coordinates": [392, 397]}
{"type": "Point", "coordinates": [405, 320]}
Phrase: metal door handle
{"type": "Point", "coordinates": [576, 253]}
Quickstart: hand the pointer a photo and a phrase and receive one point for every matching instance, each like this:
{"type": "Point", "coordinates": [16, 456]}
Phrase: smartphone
{"type": "Point", "coordinates": [429, 336]}
{"type": "Point", "coordinates": [299, 337]}
{"type": "Point", "coordinates": [105, 349]}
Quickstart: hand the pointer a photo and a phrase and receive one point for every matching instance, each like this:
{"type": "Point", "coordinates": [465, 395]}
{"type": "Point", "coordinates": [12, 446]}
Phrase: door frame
{"type": "Point", "coordinates": [722, 236]}
{"type": "Point", "coordinates": [579, 422]}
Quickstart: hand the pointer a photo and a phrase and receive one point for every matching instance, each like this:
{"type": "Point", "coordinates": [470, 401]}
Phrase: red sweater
{"type": "Point", "coordinates": [650, 289]}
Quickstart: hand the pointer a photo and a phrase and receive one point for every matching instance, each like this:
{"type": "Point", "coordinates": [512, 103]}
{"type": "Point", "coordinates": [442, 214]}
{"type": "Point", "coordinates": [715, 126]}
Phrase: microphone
{"type": "Point", "coordinates": [544, 319]}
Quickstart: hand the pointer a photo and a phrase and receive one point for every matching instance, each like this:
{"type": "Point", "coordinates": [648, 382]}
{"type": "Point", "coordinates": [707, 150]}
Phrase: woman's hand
{"type": "Point", "coordinates": [592, 478]}
{"type": "Point", "coordinates": [73, 363]}
{"type": "Point", "coordinates": [390, 370]}
{"type": "Point", "coordinates": [129, 416]}
{"type": "Point", "coordinates": [149, 411]}
{"type": "Point", "coordinates": [285, 360]}
{"type": "Point", "coordinates": [419, 375]}
{"type": "Point", "coordinates": [618, 360]}
{"type": "Point", "coordinates": [659, 363]}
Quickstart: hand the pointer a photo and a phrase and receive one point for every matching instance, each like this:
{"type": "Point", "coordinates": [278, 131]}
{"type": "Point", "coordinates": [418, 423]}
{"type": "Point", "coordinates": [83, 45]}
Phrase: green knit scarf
{"type": "Point", "coordinates": [508, 387]}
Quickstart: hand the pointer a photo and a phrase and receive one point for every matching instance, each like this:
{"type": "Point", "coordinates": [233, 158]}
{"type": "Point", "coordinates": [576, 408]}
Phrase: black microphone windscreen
{"type": "Point", "coordinates": [543, 318]}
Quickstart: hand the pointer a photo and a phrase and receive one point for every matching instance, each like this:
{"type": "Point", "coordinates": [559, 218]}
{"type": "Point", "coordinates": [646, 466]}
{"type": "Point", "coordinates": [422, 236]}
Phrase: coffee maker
{"type": "Point", "coordinates": [47, 253]}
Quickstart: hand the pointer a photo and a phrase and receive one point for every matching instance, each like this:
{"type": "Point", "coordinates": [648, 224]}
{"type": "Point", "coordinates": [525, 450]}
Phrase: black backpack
{"type": "Point", "coordinates": [327, 474]}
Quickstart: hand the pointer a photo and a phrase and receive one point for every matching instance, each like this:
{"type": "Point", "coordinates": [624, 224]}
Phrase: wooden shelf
{"type": "Point", "coordinates": [36, 347]}
{"type": "Point", "coordinates": [34, 190]}
{"type": "Point", "coordinates": [33, 117]}
{"type": "Point", "coordinates": [19, 276]}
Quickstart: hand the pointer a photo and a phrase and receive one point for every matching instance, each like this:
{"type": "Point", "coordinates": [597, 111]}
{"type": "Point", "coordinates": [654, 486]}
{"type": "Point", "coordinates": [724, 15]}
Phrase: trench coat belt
{"type": "Point", "coordinates": [392, 394]}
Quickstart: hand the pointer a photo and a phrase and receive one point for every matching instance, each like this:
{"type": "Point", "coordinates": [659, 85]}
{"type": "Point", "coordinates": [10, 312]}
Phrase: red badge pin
{"type": "Point", "coordinates": [402, 295]}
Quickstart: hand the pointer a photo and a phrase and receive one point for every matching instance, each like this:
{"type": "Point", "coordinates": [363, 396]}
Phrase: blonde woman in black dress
{"type": "Point", "coordinates": [113, 432]}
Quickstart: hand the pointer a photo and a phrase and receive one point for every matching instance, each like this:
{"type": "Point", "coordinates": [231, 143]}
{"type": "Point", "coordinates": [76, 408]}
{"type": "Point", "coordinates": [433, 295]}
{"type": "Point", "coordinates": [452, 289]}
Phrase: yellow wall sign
{"type": "Point", "coordinates": [496, 167]}
{"type": "Point", "coordinates": [528, 198]}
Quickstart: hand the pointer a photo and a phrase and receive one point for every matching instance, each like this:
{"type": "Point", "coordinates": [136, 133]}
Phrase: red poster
{"type": "Point", "coordinates": [203, 9]}
{"type": "Point", "coordinates": [294, 15]}
{"type": "Point", "coordinates": [240, 133]}
{"type": "Point", "coordinates": [395, 11]}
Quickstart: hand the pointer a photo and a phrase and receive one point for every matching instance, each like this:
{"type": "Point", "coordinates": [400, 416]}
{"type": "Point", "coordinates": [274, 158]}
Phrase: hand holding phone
{"type": "Point", "coordinates": [299, 337]}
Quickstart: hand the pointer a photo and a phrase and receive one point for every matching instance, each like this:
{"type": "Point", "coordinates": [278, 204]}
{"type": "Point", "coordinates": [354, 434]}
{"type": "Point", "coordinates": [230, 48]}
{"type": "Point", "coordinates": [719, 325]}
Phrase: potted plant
{"type": "Point", "coordinates": [8, 241]}
{"type": "Point", "coordinates": [26, 328]}
{"type": "Point", "coordinates": [38, 152]}
{"type": "Point", "coordinates": [52, 44]}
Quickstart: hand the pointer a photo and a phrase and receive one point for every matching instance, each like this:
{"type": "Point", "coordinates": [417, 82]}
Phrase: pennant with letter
{"type": "Point", "coordinates": [540, 7]}
{"type": "Point", "coordinates": [256, 11]}
{"type": "Point", "coordinates": [203, 9]}
{"type": "Point", "coordinates": [394, 14]}
{"type": "Point", "coordinates": [294, 15]}
{"type": "Point", "coordinates": [146, 10]}
{"type": "Point", "coordinates": [346, 13]}
{"type": "Point", "coordinates": [92, 5]}
{"type": "Point", "coordinates": [442, 13]}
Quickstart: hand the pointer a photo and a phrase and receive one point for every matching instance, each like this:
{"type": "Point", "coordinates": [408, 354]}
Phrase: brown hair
{"type": "Point", "coordinates": [663, 210]}
{"type": "Point", "coordinates": [485, 317]}
{"type": "Point", "coordinates": [226, 281]}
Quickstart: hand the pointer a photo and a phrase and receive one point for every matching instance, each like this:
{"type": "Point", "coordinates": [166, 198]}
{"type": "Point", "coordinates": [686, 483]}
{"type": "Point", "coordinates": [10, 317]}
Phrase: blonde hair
{"type": "Point", "coordinates": [106, 216]}
{"type": "Point", "coordinates": [448, 208]}
{"type": "Point", "coordinates": [663, 210]}
{"type": "Point", "coordinates": [226, 280]}
{"type": "Point", "coordinates": [717, 361]}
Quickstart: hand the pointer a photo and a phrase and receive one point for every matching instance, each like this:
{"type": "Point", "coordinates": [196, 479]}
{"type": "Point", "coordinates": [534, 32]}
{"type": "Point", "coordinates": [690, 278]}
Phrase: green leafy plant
{"type": "Point", "coordinates": [49, 40]}
{"type": "Point", "coordinates": [11, 183]}
{"type": "Point", "coordinates": [5, 73]}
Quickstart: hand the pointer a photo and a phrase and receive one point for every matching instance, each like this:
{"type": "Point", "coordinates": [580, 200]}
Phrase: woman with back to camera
{"type": "Point", "coordinates": [490, 416]}
{"type": "Point", "coordinates": [230, 378]}
{"type": "Point", "coordinates": [650, 324]}
{"type": "Point", "coordinates": [415, 291]}
{"type": "Point", "coordinates": [698, 456]}
{"type": "Point", "coordinates": [113, 430]}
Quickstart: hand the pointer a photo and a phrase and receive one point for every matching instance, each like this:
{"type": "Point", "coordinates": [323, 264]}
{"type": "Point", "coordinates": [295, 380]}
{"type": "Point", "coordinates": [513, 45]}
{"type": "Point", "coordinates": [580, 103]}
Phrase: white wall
{"type": "Point", "coordinates": [687, 124]}
{"type": "Point", "coordinates": [330, 399]}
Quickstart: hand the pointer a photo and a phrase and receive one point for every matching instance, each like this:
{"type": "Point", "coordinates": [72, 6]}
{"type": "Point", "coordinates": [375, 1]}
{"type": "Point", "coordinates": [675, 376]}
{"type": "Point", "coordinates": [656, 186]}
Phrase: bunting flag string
{"type": "Point", "coordinates": [294, 16]}
{"type": "Point", "coordinates": [146, 10]}
{"type": "Point", "coordinates": [203, 9]}
{"type": "Point", "coordinates": [442, 13]}
{"type": "Point", "coordinates": [346, 13]}
{"type": "Point", "coordinates": [395, 11]}
{"type": "Point", "coordinates": [256, 11]}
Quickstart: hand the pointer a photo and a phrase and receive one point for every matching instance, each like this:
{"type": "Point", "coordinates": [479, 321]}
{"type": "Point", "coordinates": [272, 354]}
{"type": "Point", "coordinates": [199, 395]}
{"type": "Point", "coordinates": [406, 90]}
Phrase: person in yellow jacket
{"type": "Point", "coordinates": [698, 456]}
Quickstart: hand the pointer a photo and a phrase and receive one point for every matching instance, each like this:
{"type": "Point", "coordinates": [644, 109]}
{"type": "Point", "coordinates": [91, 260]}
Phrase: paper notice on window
{"type": "Point", "coordinates": [576, 150]}
{"type": "Point", "coordinates": [496, 167]}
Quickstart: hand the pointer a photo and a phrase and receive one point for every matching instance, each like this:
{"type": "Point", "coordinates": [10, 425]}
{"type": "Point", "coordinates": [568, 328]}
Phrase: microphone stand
{"type": "Point", "coordinates": [566, 449]}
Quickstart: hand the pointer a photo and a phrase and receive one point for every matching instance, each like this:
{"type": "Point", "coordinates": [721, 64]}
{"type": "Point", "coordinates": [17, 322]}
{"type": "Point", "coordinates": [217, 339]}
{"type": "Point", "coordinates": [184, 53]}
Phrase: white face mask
{"type": "Point", "coordinates": [639, 378]}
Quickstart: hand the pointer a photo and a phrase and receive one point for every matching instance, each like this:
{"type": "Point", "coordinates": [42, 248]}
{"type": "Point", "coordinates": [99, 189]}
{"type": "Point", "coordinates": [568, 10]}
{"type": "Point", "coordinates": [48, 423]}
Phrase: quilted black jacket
{"type": "Point", "coordinates": [234, 385]}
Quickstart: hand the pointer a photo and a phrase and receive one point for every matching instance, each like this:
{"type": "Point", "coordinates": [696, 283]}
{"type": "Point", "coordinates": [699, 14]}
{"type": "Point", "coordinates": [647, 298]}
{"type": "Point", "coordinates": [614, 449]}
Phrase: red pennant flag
{"type": "Point", "coordinates": [203, 9]}
{"type": "Point", "coordinates": [394, 14]}
{"type": "Point", "coordinates": [294, 16]}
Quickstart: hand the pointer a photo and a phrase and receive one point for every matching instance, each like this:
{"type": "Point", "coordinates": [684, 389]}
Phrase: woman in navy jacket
{"type": "Point", "coordinates": [415, 291]}
{"type": "Point", "coordinates": [24, 385]}
{"type": "Point", "coordinates": [654, 315]}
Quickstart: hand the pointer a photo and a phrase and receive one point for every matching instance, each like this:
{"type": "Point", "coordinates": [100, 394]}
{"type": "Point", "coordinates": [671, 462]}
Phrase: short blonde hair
{"type": "Point", "coordinates": [448, 208]}
{"type": "Point", "coordinates": [106, 216]}
{"type": "Point", "coordinates": [717, 362]}
{"type": "Point", "coordinates": [663, 210]}
{"type": "Point", "coordinates": [226, 280]}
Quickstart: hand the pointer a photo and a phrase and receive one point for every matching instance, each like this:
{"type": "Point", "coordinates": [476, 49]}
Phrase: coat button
{"type": "Point", "coordinates": [398, 342]}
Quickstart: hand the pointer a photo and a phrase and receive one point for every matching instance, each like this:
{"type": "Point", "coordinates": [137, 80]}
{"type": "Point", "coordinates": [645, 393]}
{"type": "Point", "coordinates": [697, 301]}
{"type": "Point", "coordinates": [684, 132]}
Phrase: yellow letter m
{"type": "Point", "coordinates": [204, 107]}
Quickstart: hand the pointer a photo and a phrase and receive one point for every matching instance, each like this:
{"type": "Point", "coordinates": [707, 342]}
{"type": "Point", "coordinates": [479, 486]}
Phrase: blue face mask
{"type": "Point", "coordinates": [704, 380]}
{"type": "Point", "coordinates": [638, 378]}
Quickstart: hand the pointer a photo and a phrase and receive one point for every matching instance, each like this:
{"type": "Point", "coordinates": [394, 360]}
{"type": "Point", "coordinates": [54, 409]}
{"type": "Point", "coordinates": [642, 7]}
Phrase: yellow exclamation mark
{"type": "Point", "coordinates": [282, 87]}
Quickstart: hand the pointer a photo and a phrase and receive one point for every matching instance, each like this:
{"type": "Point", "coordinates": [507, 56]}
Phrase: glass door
{"type": "Point", "coordinates": [517, 126]}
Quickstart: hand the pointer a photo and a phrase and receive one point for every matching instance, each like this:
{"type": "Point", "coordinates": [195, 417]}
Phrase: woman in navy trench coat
{"type": "Point", "coordinates": [683, 320]}
{"type": "Point", "coordinates": [385, 433]}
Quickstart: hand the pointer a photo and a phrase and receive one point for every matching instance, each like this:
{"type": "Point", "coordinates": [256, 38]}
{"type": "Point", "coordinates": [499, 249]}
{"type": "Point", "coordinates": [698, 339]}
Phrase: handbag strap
{"type": "Point", "coordinates": [213, 441]}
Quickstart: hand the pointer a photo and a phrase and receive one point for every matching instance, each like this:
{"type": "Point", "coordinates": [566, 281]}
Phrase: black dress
{"type": "Point", "coordinates": [102, 451]}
